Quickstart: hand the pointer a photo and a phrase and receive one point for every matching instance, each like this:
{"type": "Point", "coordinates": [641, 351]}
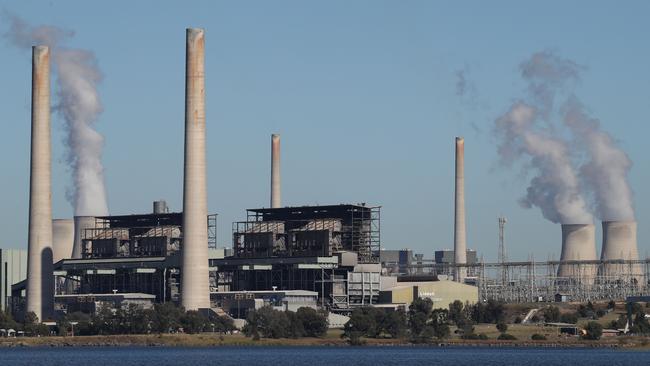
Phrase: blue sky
{"type": "Point", "coordinates": [362, 92]}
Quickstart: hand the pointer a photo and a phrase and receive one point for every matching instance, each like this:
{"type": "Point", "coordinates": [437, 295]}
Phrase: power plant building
{"type": "Point", "coordinates": [13, 269]}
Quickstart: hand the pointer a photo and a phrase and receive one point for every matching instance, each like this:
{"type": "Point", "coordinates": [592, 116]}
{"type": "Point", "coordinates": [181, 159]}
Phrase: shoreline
{"type": "Point", "coordinates": [213, 340]}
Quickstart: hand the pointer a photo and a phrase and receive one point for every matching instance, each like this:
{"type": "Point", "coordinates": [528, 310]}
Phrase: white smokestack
{"type": "Point", "coordinates": [276, 199]}
{"type": "Point", "coordinates": [195, 290]}
{"type": "Point", "coordinates": [460, 244]}
{"type": "Point", "coordinates": [79, 104]}
{"type": "Point", "coordinates": [578, 244]}
{"type": "Point", "coordinates": [40, 278]}
{"type": "Point", "coordinates": [62, 238]}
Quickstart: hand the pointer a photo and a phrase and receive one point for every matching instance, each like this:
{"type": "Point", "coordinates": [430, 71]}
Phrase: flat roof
{"type": "Point", "coordinates": [124, 295]}
{"type": "Point", "coordinates": [265, 292]}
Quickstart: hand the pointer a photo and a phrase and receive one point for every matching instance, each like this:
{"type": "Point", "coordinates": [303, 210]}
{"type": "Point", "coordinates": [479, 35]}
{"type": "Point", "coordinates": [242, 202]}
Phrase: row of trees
{"type": "Point", "coordinates": [270, 323]}
{"type": "Point", "coordinates": [421, 323]}
{"type": "Point", "coordinates": [133, 319]}
{"type": "Point", "coordinates": [30, 324]}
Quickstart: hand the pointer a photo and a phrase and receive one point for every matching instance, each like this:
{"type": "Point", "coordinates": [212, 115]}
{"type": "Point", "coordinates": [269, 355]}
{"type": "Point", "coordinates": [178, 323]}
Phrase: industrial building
{"type": "Point", "coordinates": [332, 250]}
{"type": "Point", "coordinates": [13, 269]}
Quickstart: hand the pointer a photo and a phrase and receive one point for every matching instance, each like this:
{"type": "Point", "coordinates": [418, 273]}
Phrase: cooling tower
{"type": "Point", "coordinates": [276, 198]}
{"type": "Point", "coordinates": [81, 223]}
{"type": "Point", "coordinates": [619, 242]}
{"type": "Point", "coordinates": [62, 238]}
{"type": "Point", "coordinates": [40, 278]}
{"type": "Point", "coordinates": [460, 245]}
{"type": "Point", "coordinates": [195, 290]}
{"type": "Point", "coordinates": [578, 244]}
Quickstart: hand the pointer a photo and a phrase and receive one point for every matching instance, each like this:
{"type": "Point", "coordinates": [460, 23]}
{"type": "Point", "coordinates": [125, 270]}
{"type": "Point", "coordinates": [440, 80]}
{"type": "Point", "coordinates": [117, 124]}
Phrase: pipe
{"type": "Point", "coordinates": [40, 277]}
{"type": "Point", "coordinates": [460, 244]}
{"type": "Point", "coordinates": [276, 198]}
{"type": "Point", "coordinates": [195, 290]}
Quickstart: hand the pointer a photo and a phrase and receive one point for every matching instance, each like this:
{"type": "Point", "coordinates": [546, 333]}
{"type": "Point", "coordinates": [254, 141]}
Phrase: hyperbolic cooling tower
{"type": "Point", "coordinates": [81, 223]}
{"type": "Point", "coordinates": [578, 244]}
{"type": "Point", "coordinates": [195, 290]}
{"type": "Point", "coordinates": [619, 242]}
{"type": "Point", "coordinates": [62, 238]}
{"type": "Point", "coordinates": [276, 198]}
{"type": "Point", "coordinates": [460, 244]}
{"type": "Point", "coordinates": [40, 278]}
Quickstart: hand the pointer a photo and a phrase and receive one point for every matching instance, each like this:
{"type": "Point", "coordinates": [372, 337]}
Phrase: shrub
{"type": "Point", "coordinates": [502, 327]}
{"type": "Point", "coordinates": [593, 331]}
{"type": "Point", "coordinates": [506, 337]}
{"type": "Point", "coordinates": [538, 337]}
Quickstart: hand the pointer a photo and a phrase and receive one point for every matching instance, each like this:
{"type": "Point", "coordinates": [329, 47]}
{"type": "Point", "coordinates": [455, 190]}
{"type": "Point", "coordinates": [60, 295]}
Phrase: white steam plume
{"type": "Point", "coordinates": [79, 104]}
{"type": "Point", "coordinates": [555, 186]}
{"type": "Point", "coordinates": [606, 171]}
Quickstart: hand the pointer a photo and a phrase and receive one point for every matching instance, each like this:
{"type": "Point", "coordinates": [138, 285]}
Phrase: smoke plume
{"type": "Point", "coordinates": [606, 171]}
{"type": "Point", "coordinates": [555, 186]}
{"type": "Point", "coordinates": [79, 104]}
{"type": "Point", "coordinates": [536, 132]}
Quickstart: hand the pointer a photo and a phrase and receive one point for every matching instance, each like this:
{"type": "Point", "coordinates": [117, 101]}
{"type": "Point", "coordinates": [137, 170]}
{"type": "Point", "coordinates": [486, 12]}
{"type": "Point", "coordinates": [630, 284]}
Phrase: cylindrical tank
{"type": "Point", "coordinates": [160, 207]}
{"type": "Point", "coordinates": [578, 244]}
{"type": "Point", "coordinates": [81, 223]}
{"type": "Point", "coordinates": [619, 243]}
{"type": "Point", "coordinates": [62, 238]}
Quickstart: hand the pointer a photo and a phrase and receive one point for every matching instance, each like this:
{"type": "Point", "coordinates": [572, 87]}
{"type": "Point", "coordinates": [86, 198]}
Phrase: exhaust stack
{"type": "Point", "coordinates": [276, 198]}
{"type": "Point", "coordinates": [195, 291]}
{"type": "Point", "coordinates": [578, 244]}
{"type": "Point", "coordinates": [619, 242]}
{"type": "Point", "coordinates": [62, 238]}
{"type": "Point", "coordinates": [40, 278]}
{"type": "Point", "coordinates": [460, 244]}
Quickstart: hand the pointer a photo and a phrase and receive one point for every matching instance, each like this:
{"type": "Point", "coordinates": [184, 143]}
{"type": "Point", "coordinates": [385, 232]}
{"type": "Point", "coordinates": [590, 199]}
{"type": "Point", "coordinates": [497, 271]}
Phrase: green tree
{"type": "Point", "coordinates": [551, 314]}
{"type": "Point", "coordinates": [194, 322]}
{"type": "Point", "coordinates": [267, 322]}
{"type": "Point", "coordinates": [166, 317]}
{"type": "Point", "coordinates": [456, 313]}
{"type": "Point", "coordinates": [394, 323]}
{"type": "Point", "coordinates": [314, 323]}
{"type": "Point", "coordinates": [502, 327]}
{"type": "Point", "coordinates": [362, 323]}
{"type": "Point", "coordinates": [296, 328]}
{"type": "Point", "coordinates": [593, 330]}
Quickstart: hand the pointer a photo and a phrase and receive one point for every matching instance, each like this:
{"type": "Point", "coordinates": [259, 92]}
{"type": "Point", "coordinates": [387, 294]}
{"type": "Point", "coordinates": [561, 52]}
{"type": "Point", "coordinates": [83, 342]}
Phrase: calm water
{"type": "Point", "coordinates": [317, 356]}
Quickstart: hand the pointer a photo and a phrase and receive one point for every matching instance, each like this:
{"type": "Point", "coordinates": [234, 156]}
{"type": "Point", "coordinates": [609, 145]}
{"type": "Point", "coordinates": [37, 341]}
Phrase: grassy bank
{"type": "Point", "coordinates": [331, 339]}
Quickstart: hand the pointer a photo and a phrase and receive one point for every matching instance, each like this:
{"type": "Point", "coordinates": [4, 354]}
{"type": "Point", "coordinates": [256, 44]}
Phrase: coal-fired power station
{"type": "Point", "coordinates": [40, 280]}
{"type": "Point", "coordinates": [578, 244]}
{"type": "Point", "coordinates": [319, 256]}
{"type": "Point", "coordinates": [276, 198]}
{"type": "Point", "coordinates": [460, 244]}
{"type": "Point", "coordinates": [195, 291]}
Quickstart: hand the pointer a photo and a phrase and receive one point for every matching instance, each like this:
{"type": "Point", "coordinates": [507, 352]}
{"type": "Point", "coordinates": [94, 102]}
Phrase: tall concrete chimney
{"type": "Point", "coordinates": [276, 198]}
{"type": "Point", "coordinates": [460, 244]}
{"type": "Point", "coordinates": [194, 271]}
{"type": "Point", "coordinates": [62, 238]}
{"type": "Point", "coordinates": [619, 242]}
{"type": "Point", "coordinates": [81, 223]}
{"type": "Point", "coordinates": [40, 278]}
{"type": "Point", "coordinates": [578, 244]}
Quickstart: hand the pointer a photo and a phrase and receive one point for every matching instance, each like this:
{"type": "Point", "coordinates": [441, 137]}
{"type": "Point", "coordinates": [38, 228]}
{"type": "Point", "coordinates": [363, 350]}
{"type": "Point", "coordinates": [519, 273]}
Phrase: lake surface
{"type": "Point", "coordinates": [316, 356]}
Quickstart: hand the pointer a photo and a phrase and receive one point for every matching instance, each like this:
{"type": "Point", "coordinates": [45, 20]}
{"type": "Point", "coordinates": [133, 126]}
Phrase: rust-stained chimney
{"type": "Point", "coordinates": [40, 278]}
{"type": "Point", "coordinates": [195, 290]}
